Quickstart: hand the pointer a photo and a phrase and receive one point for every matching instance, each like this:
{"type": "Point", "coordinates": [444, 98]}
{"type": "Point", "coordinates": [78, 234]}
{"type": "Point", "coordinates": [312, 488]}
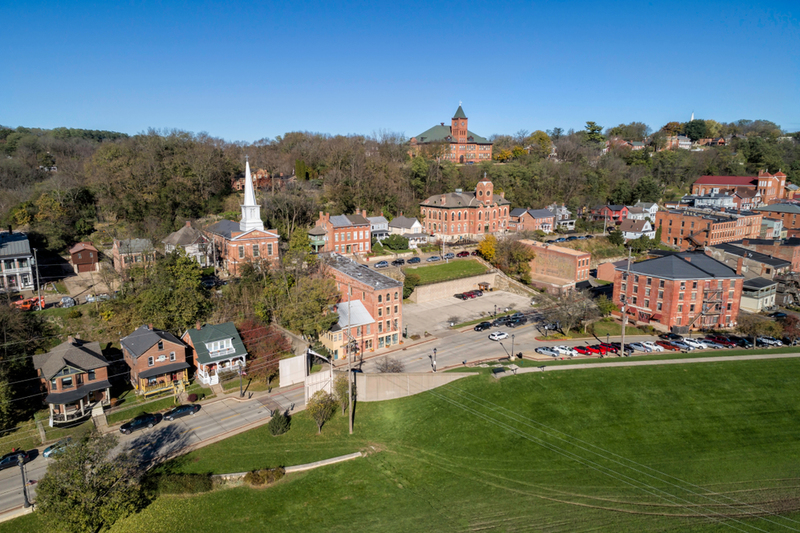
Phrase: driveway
{"type": "Point", "coordinates": [434, 316]}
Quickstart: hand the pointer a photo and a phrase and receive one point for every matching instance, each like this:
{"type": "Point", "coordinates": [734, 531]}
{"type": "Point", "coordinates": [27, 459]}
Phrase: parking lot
{"type": "Point", "coordinates": [434, 317]}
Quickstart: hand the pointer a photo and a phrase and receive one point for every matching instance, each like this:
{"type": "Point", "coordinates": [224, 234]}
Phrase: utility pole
{"type": "Point", "coordinates": [351, 344]}
{"type": "Point", "coordinates": [38, 285]}
{"type": "Point", "coordinates": [434, 359]}
{"type": "Point", "coordinates": [21, 459]}
{"type": "Point", "coordinates": [512, 348]}
{"type": "Point", "coordinates": [625, 303]}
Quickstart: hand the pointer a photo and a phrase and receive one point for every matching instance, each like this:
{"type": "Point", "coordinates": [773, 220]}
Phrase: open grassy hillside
{"type": "Point", "coordinates": [711, 447]}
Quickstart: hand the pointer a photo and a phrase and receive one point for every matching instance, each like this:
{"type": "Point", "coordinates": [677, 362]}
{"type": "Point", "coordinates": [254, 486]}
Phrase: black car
{"type": "Point", "coordinates": [779, 315]}
{"type": "Point", "coordinates": [502, 321]}
{"type": "Point", "coordinates": [12, 459]}
{"type": "Point", "coordinates": [398, 262]}
{"type": "Point", "coordinates": [518, 321]}
{"type": "Point", "coordinates": [140, 422]}
{"type": "Point", "coordinates": [181, 410]}
{"type": "Point", "coordinates": [670, 337]}
{"type": "Point", "coordinates": [482, 326]}
{"type": "Point", "coordinates": [414, 260]}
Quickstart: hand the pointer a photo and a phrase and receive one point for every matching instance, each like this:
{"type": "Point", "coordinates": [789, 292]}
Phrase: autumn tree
{"type": "Point", "coordinates": [340, 387]}
{"type": "Point", "coordinates": [488, 247]}
{"type": "Point", "coordinates": [791, 327]}
{"type": "Point", "coordinates": [540, 144]}
{"type": "Point", "coordinates": [605, 306]}
{"type": "Point", "coordinates": [265, 347]}
{"type": "Point", "coordinates": [320, 407]}
{"type": "Point", "coordinates": [513, 258]}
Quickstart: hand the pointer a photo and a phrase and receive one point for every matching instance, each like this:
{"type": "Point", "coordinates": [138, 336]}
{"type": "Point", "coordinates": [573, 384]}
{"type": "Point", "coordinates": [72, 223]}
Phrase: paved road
{"type": "Point", "coordinates": [215, 421]}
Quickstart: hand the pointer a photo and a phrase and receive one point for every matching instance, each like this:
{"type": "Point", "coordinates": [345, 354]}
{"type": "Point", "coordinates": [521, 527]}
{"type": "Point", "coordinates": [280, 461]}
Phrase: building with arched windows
{"type": "Point", "coordinates": [454, 142]}
{"type": "Point", "coordinates": [466, 215]}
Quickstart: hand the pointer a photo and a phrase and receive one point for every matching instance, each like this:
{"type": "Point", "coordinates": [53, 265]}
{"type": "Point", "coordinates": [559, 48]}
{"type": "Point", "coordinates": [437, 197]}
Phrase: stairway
{"type": "Point", "coordinates": [217, 390]}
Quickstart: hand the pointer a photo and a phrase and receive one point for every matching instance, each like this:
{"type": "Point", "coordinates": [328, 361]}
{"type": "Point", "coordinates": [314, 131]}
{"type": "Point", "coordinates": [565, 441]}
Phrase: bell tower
{"type": "Point", "coordinates": [485, 190]}
{"type": "Point", "coordinates": [458, 125]}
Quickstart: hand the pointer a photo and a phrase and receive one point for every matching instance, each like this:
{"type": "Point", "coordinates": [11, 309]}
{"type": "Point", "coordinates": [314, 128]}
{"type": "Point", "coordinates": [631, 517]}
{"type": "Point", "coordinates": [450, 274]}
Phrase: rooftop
{"type": "Point", "coordinates": [362, 273]}
{"type": "Point", "coordinates": [780, 208]}
{"type": "Point", "coordinates": [683, 265]}
{"type": "Point", "coordinates": [402, 222]}
{"type": "Point", "coordinates": [758, 283]}
{"type": "Point", "coordinates": [726, 180]}
{"type": "Point", "coordinates": [143, 338]}
{"type": "Point", "coordinates": [14, 244]}
{"type": "Point", "coordinates": [76, 353]}
{"type": "Point", "coordinates": [215, 332]}
{"type": "Point", "coordinates": [134, 246]}
{"type": "Point", "coordinates": [553, 248]}
{"type": "Point", "coordinates": [749, 254]}
{"type": "Point", "coordinates": [353, 314]}
{"type": "Point", "coordinates": [185, 236]}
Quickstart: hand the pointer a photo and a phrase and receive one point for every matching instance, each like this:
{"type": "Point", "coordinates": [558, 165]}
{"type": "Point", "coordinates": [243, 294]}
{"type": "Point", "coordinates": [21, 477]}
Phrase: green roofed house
{"type": "Point", "coordinates": [218, 349]}
{"type": "Point", "coordinates": [453, 143]}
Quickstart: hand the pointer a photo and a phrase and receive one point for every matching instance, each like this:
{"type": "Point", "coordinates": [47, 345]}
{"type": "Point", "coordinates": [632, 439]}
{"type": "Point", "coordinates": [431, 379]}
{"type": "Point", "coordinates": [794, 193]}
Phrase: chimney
{"type": "Point", "coordinates": [442, 123]}
{"type": "Point", "coordinates": [150, 327]}
{"type": "Point", "coordinates": [739, 263]}
{"type": "Point", "coordinates": [198, 326]}
{"type": "Point", "coordinates": [688, 258]}
{"type": "Point", "coordinates": [364, 213]}
{"type": "Point", "coordinates": [188, 224]}
{"type": "Point", "coordinates": [71, 340]}
{"type": "Point", "coordinates": [745, 242]}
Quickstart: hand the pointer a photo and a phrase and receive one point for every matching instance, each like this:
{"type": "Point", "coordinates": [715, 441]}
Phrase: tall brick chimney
{"type": "Point", "coordinates": [739, 264]}
{"type": "Point", "coordinates": [198, 326]}
{"type": "Point", "coordinates": [150, 327]}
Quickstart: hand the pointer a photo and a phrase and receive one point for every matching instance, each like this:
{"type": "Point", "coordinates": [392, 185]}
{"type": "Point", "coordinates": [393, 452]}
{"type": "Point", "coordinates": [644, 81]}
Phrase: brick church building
{"type": "Point", "coordinates": [466, 215]}
{"type": "Point", "coordinates": [462, 145]}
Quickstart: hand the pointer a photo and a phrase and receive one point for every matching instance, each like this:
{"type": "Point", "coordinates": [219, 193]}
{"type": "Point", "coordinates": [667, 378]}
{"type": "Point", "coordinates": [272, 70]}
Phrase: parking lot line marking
{"type": "Point", "coordinates": [227, 417]}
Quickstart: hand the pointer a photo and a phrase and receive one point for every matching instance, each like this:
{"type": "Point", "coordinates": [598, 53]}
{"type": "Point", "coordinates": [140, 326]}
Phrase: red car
{"type": "Point", "coordinates": [668, 346]}
{"type": "Point", "coordinates": [592, 350]}
{"type": "Point", "coordinates": [474, 252]}
{"type": "Point", "coordinates": [602, 350]}
{"type": "Point", "coordinates": [462, 254]}
{"type": "Point", "coordinates": [583, 350]}
{"type": "Point", "coordinates": [609, 347]}
{"type": "Point", "coordinates": [725, 341]}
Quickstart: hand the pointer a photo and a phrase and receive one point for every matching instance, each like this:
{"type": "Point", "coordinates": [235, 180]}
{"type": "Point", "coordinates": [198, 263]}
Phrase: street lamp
{"type": "Point", "coordinates": [21, 460]}
{"type": "Point", "coordinates": [434, 359]}
{"type": "Point", "coordinates": [495, 310]}
{"type": "Point", "coordinates": [512, 348]}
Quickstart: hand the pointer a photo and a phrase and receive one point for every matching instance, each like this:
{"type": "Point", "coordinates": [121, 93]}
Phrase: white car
{"type": "Point", "coordinates": [710, 344]}
{"type": "Point", "coordinates": [498, 335]}
{"type": "Point", "coordinates": [769, 341]}
{"type": "Point", "coordinates": [566, 350]}
{"type": "Point", "coordinates": [693, 343]}
{"type": "Point", "coordinates": [653, 346]}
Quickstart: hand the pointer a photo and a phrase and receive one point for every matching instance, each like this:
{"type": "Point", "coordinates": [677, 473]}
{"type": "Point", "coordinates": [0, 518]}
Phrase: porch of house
{"type": "Point", "coordinates": [76, 406]}
{"type": "Point", "coordinates": [208, 374]}
{"type": "Point", "coordinates": [161, 379]}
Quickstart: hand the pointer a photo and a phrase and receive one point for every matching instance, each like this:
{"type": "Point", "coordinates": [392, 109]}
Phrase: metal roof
{"type": "Point", "coordinates": [163, 369]}
{"type": "Point", "coordinates": [353, 314]}
{"type": "Point", "coordinates": [134, 246]}
{"type": "Point", "coordinates": [749, 254]}
{"type": "Point", "coordinates": [215, 332]}
{"type": "Point", "coordinates": [61, 398]}
{"type": "Point", "coordinates": [758, 283]}
{"type": "Point", "coordinates": [780, 208]}
{"type": "Point", "coordinates": [225, 228]}
{"type": "Point", "coordinates": [683, 265]}
{"type": "Point", "coordinates": [14, 244]}
{"type": "Point", "coordinates": [459, 113]}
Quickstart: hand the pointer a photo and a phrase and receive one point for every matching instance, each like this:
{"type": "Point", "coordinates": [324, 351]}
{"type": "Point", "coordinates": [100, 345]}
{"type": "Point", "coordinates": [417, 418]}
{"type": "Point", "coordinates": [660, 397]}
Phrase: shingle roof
{"type": "Point", "coordinates": [377, 220]}
{"type": "Point", "coordinates": [81, 246]}
{"type": "Point", "coordinates": [225, 228]}
{"type": "Point", "coordinates": [14, 244]}
{"type": "Point", "coordinates": [459, 199]}
{"type": "Point", "coordinates": [403, 222]}
{"type": "Point", "coordinates": [540, 213]}
{"type": "Point", "coordinates": [185, 236]}
{"type": "Point", "coordinates": [76, 353]}
{"type": "Point", "coordinates": [749, 254]}
{"type": "Point", "coordinates": [780, 208]}
{"type": "Point", "coordinates": [215, 332]}
{"type": "Point", "coordinates": [144, 338]}
{"type": "Point", "coordinates": [362, 273]}
{"type": "Point", "coordinates": [343, 221]}
{"type": "Point", "coordinates": [633, 226]}
{"type": "Point", "coordinates": [684, 265]}
{"type": "Point", "coordinates": [459, 113]}
{"type": "Point", "coordinates": [134, 246]}
{"type": "Point", "coordinates": [317, 230]}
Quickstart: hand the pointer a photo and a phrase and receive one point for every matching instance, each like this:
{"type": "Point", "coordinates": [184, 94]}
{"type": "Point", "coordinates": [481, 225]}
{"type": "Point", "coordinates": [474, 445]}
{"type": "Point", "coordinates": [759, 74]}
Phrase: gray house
{"type": "Point", "coordinates": [193, 242]}
{"type": "Point", "coordinates": [379, 227]}
{"type": "Point", "coordinates": [16, 262]}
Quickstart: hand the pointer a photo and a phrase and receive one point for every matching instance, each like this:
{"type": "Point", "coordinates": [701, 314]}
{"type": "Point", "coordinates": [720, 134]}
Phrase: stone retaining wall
{"type": "Point", "coordinates": [378, 387]}
{"type": "Point", "coordinates": [446, 289]}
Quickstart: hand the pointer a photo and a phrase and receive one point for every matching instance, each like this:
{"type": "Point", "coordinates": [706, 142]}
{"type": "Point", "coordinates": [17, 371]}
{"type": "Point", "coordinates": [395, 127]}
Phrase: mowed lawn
{"type": "Point", "coordinates": [675, 448]}
{"type": "Point", "coordinates": [455, 269]}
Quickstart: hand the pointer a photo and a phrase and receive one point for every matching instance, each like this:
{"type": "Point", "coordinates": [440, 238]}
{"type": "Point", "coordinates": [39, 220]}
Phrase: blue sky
{"type": "Point", "coordinates": [254, 70]}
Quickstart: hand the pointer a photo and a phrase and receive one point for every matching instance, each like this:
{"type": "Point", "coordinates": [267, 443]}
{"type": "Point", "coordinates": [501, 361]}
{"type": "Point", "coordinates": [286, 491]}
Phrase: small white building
{"type": "Point", "coordinates": [650, 208]}
{"type": "Point", "coordinates": [758, 294]}
{"type": "Point", "coordinates": [634, 229]}
{"type": "Point", "coordinates": [563, 216]}
{"type": "Point", "coordinates": [402, 225]}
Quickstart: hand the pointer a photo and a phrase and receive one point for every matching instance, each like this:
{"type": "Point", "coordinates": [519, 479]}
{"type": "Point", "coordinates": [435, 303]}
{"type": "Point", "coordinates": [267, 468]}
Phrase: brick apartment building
{"type": "Point", "coordinates": [237, 243]}
{"type": "Point", "coordinates": [556, 268]}
{"type": "Point", "coordinates": [521, 219]}
{"type": "Point", "coordinates": [786, 213]}
{"type": "Point", "coordinates": [689, 227]}
{"type": "Point", "coordinates": [132, 252]}
{"type": "Point", "coordinates": [460, 145]}
{"type": "Point", "coordinates": [770, 188]}
{"type": "Point", "coordinates": [375, 311]}
{"type": "Point", "coordinates": [346, 234]}
{"type": "Point", "coordinates": [157, 360]}
{"type": "Point", "coordinates": [681, 291]}
{"type": "Point", "coordinates": [787, 249]}
{"type": "Point", "coordinates": [466, 215]}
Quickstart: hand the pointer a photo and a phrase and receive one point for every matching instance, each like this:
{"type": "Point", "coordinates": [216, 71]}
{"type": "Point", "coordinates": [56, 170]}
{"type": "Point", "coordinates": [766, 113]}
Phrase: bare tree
{"type": "Point", "coordinates": [390, 365]}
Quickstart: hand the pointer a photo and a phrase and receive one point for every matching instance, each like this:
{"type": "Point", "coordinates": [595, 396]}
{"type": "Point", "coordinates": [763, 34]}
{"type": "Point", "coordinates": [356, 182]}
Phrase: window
{"type": "Point", "coordinates": [396, 294]}
{"type": "Point", "coordinates": [380, 311]}
{"type": "Point", "coordinates": [647, 291]}
{"type": "Point", "coordinates": [348, 236]}
{"type": "Point", "coordinates": [336, 237]}
{"type": "Point", "coordinates": [66, 383]}
{"type": "Point", "coordinates": [661, 283]}
{"type": "Point", "coordinates": [680, 308]}
{"type": "Point", "coordinates": [54, 384]}
{"type": "Point", "coordinates": [90, 375]}
{"type": "Point", "coordinates": [395, 309]}
{"type": "Point", "coordinates": [255, 250]}
{"type": "Point", "coordinates": [369, 329]}
{"type": "Point", "coordinates": [649, 281]}
{"type": "Point", "coordinates": [624, 287]}
{"type": "Point", "coordinates": [269, 249]}
{"type": "Point", "coordinates": [636, 278]}
{"type": "Point", "coordinates": [647, 303]}
{"type": "Point", "coordinates": [691, 308]}
{"type": "Point", "coordinates": [634, 300]}
{"type": "Point", "coordinates": [733, 283]}
{"type": "Point", "coordinates": [658, 306]}
{"type": "Point", "coordinates": [729, 306]}
{"type": "Point", "coordinates": [680, 296]}
{"type": "Point", "coordinates": [388, 324]}
{"type": "Point", "coordinates": [380, 327]}
{"type": "Point", "coordinates": [337, 247]}
{"type": "Point", "coordinates": [660, 295]}
{"type": "Point", "coordinates": [160, 345]}
{"type": "Point", "coordinates": [694, 284]}
{"type": "Point", "coordinates": [241, 252]}
{"type": "Point", "coordinates": [150, 361]}
{"type": "Point", "coordinates": [380, 298]}
{"type": "Point", "coordinates": [172, 356]}
{"type": "Point", "coordinates": [683, 285]}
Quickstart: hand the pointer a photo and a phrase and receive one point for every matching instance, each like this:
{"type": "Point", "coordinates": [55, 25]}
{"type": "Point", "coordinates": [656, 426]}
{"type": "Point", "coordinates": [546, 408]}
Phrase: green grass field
{"type": "Point", "coordinates": [674, 448]}
{"type": "Point", "coordinates": [455, 269]}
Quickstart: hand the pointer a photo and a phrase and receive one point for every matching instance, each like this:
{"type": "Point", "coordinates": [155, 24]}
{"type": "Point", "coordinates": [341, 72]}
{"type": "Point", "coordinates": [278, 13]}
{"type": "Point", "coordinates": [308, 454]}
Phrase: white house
{"type": "Point", "coordinates": [633, 229]}
{"type": "Point", "coordinates": [563, 216]}
{"type": "Point", "coordinates": [650, 208]}
{"type": "Point", "coordinates": [402, 225]}
{"type": "Point", "coordinates": [192, 240]}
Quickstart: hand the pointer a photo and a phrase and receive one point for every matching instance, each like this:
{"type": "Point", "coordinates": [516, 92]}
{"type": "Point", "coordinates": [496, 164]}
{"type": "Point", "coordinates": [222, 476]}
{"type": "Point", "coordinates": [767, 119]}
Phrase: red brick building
{"type": "Point", "coordinates": [84, 257]}
{"type": "Point", "coordinates": [610, 213]}
{"type": "Point", "coordinates": [787, 213]}
{"type": "Point", "coordinates": [157, 360]}
{"type": "Point", "coordinates": [346, 234]}
{"type": "Point", "coordinates": [466, 215]}
{"type": "Point", "coordinates": [694, 228]}
{"type": "Point", "coordinates": [132, 252]}
{"type": "Point", "coordinates": [787, 249]}
{"type": "Point", "coordinates": [237, 243]}
{"type": "Point", "coordinates": [455, 142]}
{"type": "Point", "coordinates": [556, 268]}
{"type": "Point", "coordinates": [682, 291]}
{"type": "Point", "coordinates": [376, 321]}
{"type": "Point", "coordinates": [521, 219]}
{"type": "Point", "coordinates": [770, 188]}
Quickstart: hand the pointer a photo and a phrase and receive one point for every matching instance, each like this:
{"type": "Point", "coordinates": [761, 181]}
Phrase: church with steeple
{"type": "Point", "coordinates": [452, 143]}
{"type": "Point", "coordinates": [245, 241]}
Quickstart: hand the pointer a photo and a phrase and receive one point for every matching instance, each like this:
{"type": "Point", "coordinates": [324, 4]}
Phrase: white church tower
{"type": "Point", "coordinates": [251, 211]}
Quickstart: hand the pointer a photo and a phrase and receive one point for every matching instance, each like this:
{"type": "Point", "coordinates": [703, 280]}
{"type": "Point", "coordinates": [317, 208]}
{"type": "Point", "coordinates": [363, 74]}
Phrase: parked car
{"type": "Point", "coordinates": [583, 350]}
{"type": "Point", "coordinates": [449, 255]}
{"type": "Point", "coordinates": [638, 346]}
{"type": "Point", "coordinates": [778, 315]}
{"type": "Point", "coordinates": [518, 321]}
{"type": "Point", "coordinates": [67, 301]}
{"type": "Point", "coordinates": [719, 339]}
{"type": "Point", "coordinates": [433, 258]}
{"type": "Point", "coordinates": [566, 350]}
{"type": "Point", "coordinates": [502, 321]}
{"type": "Point", "coordinates": [667, 345]}
{"type": "Point", "coordinates": [208, 283]}
{"type": "Point", "coordinates": [683, 346]}
{"type": "Point", "coordinates": [594, 350]}
{"type": "Point", "coordinates": [710, 344]}
{"type": "Point", "coordinates": [382, 264]}
{"type": "Point", "coordinates": [140, 422]}
{"type": "Point", "coordinates": [769, 341]}
{"type": "Point", "coordinates": [398, 262]}
{"type": "Point", "coordinates": [474, 252]}
{"type": "Point", "coordinates": [546, 350]}
{"type": "Point", "coordinates": [653, 346]}
{"type": "Point", "coordinates": [414, 260]}
{"type": "Point", "coordinates": [462, 254]}
{"type": "Point", "coordinates": [498, 335]}
{"type": "Point", "coordinates": [467, 295]}
{"type": "Point", "coordinates": [482, 326]}
{"type": "Point", "coordinates": [610, 347]}
{"type": "Point", "coordinates": [670, 337]}
{"type": "Point", "coordinates": [694, 344]}
{"type": "Point", "coordinates": [12, 459]}
{"type": "Point", "coordinates": [56, 448]}
{"type": "Point", "coordinates": [181, 410]}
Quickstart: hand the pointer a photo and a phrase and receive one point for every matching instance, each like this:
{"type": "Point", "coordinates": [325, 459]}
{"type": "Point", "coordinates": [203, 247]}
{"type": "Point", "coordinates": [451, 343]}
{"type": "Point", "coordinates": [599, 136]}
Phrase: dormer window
{"type": "Point", "coordinates": [220, 347]}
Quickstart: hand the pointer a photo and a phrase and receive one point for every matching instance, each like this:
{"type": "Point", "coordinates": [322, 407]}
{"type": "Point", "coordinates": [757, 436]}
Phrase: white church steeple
{"type": "Point", "coordinates": [251, 211]}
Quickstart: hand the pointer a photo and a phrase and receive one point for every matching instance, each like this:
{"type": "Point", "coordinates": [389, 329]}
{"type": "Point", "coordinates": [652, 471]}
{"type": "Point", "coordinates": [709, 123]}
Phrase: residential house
{"type": "Point", "coordinates": [192, 241]}
{"type": "Point", "coordinates": [563, 216]}
{"type": "Point", "coordinates": [347, 234]}
{"type": "Point", "coordinates": [612, 214]}
{"type": "Point", "coordinates": [382, 298]}
{"type": "Point", "coordinates": [17, 262]}
{"type": "Point", "coordinates": [687, 228]}
{"type": "Point", "coordinates": [75, 376]}
{"type": "Point", "coordinates": [678, 141]}
{"type": "Point", "coordinates": [84, 258]}
{"type": "Point", "coordinates": [246, 241]}
{"type": "Point", "coordinates": [466, 215]}
{"type": "Point", "coordinates": [402, 225]}
{"type": "Point", "coordinates": [522, 219]}
{"type": "Point", "coordinates": [379, 227]}
{"type": "Point", "coordinates": [772, 228]}
{"type": "Point", "coordinates": [157, 360]}
{"type": "Point", "coordinates": [787, 213]}
{"type": "Point", "coordinates": [636, 213]}
{"type": "Point", "coordinates": [216, 350]}
{"type": "Point", "coordinates": [460, 145]}
{"type": "Point", "coordinates": [635, 229]}
{"type": "Point", "coordinates": [132, 252]}
{"type": "Point", "coordinates": [758, 295]}
{"type": "Point", "coordinates": [679, 292]}
{"type": "Point", "coordinates": [555, 268]}
{"type": "Point", "coordinates": [749, 263]}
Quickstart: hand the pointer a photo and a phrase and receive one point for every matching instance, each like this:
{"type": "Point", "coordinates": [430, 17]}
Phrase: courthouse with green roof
{"type": "Point", "coordinates": [454, 142]}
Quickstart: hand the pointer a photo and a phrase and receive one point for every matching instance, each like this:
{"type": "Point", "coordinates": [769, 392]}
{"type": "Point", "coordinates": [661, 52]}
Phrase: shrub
{"type": "Point", "coordinates": [74, 313]}
{"type": "Point", "coordinates": [264, 476]}
{"type": "Point", "coordinates": [180, 483]}
{"type": "Point", "coordinates": [93, 312]}
{"type": "Point", "coordinates": [279, 424]}
{"type": "Point", "coordinates": [192, 397]}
